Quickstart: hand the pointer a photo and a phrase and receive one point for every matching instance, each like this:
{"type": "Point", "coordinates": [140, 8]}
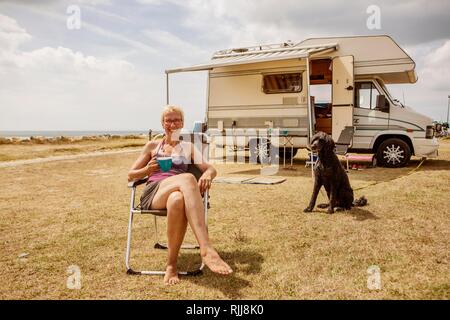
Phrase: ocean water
{"type": "Point", "coordinates": [66, 133]}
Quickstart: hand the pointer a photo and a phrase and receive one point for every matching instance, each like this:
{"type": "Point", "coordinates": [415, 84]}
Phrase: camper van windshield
{"type": "Point", "coordinates": [385, 89]}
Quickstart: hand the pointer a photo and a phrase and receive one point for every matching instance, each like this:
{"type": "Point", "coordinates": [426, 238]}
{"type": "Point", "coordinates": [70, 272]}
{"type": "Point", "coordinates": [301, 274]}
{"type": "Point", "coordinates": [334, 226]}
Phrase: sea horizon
{"type": "Point", "coordinates": [69, 133]}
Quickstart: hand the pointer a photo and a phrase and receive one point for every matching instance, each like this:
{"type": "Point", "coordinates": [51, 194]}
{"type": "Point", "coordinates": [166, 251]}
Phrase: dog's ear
{"type": "Point", "coordinates": [329, 143]}
{"type": "Point", "coordinates": [332, 143]}
{"type": "Point", "coordinates": [315, 137]}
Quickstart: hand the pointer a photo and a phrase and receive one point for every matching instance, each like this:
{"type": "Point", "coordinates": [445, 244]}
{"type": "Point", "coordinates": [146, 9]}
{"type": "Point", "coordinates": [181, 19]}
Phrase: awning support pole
{"type": "Point", "coordinates": [310, 112]}
{"type": "Point", "coordinates": [167, 88]}
{"type": "Point", "coordinates": [310, 116]}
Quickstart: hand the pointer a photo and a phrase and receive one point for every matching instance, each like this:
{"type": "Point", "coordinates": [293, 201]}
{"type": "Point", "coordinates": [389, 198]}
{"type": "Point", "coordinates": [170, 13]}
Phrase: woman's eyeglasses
{"type": "Point", "coordinates": [170, 121]}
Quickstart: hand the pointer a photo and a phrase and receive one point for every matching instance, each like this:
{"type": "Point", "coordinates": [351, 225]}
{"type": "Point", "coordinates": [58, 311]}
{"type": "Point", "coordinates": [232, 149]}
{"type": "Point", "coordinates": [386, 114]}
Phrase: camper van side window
{"type": "Point", "coordinates": [366, 95]}
{"type": "Point", "coordinates": [282, 83]}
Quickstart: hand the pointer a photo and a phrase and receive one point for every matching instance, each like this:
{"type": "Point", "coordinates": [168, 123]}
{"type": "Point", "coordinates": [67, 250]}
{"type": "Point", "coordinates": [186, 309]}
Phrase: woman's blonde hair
{"type": "Point", "coordinates": [171, 108]}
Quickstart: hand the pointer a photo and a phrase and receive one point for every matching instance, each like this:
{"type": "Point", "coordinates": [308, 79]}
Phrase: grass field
{"type": "Point", "coordinates": [32, 150]}
{"type": "Point", "coordinates": [75, 212]}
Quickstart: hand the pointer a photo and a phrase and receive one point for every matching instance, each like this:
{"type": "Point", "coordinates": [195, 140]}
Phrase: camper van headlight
{"type": "Point", "coordinates": [430, 132]}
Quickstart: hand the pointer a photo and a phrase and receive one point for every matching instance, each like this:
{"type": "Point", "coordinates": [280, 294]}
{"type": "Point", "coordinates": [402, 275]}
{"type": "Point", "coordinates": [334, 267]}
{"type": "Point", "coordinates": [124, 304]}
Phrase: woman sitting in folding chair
{"type": "Point", "coordinates": [177, 191]}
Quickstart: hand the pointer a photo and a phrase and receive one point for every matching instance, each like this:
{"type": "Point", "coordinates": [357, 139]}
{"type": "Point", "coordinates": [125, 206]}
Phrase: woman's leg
{"type": "Point", "coordinates": [176, 229]}
{"type": "Point", "coordinates": [194, 210]}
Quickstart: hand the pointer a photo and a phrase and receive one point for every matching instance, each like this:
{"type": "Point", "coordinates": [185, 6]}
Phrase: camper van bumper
{"type": "Point", "coordinates": [426, 148]}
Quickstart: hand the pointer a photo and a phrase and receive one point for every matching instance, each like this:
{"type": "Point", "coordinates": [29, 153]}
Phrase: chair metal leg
{"type": "Point", "coordinates": [130, 224]}
{"type": "Point", "coordinates": [130, 271]}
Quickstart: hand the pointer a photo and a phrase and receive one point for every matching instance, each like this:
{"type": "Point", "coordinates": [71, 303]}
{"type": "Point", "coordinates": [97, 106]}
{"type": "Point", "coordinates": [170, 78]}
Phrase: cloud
{"type": "Point", "coordinates": [151, 2]}
{"type": "Point", "coordinates": [233, 23]}
{"type": "Point", "coordinates": [66, 61]}
{"type": "Point", "coordinates": [30, 2]}
{"type": "Point", "coordinates": [118, 37]}
{"type": "Point", "coordinates": [436, 69]}
{"type": "Point", "coordinates": [11, 34]}
{"type": "Point", "coordinates": [155, 35]}
{"type": "Point", "coordinates": [429, 94]}
{"type": "Point", "coordinates": [52, 3]}
{"type": "Point", "coordinates": [94, 2]}
{"type": "Point", "coordinates": [265, 20]}
{"type": "Point", "coordinates": [183, 52]}
{"type": "Point", "coordinates": [100, 31]}
{"type": "Point", "coordinates": [57, 87]}
{"type": "Point", "coordinates": [108, 14]}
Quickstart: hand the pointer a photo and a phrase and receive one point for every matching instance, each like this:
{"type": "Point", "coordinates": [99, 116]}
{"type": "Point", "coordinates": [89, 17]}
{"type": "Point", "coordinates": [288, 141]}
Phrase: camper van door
{"type": "Point", "coordinates": [343, 89]}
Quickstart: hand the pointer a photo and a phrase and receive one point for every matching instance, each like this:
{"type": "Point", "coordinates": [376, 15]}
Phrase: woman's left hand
{"type": "Point", "coordinates": [204, 183]}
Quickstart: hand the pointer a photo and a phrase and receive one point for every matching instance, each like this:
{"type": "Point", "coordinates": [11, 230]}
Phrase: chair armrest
{"type": "Point", "coordinates": [135, 183]}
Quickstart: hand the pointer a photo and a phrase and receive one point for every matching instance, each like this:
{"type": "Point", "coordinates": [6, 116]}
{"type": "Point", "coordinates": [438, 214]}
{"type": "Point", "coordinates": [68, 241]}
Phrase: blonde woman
{"type": "Point", "coordinates": [178, 191]}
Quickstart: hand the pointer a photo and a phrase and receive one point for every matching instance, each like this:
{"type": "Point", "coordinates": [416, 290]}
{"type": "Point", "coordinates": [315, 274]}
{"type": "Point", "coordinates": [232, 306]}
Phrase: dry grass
{"type": "Point", "coordinates": [75, 212]}
{"type": "Point", "coordinates": [20, 150]}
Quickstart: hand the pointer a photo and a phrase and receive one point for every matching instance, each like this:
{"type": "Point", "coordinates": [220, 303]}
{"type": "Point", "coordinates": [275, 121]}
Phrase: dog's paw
{"type": "Point", "coordinates": [330, 211]}
{"type": "Point", "coordinates": [308, 209]}
{"type": "Point", "coordinates": [323, 205]}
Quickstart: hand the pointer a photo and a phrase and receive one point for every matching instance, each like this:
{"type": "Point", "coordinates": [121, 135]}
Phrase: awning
{"type": "Point", "coordinates": [257, 54]}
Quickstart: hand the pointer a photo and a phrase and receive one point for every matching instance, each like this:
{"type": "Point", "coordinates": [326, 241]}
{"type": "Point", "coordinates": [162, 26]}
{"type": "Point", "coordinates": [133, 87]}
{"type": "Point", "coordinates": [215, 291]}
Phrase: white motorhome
{"type": "Point", "coordinates": [336, 85]}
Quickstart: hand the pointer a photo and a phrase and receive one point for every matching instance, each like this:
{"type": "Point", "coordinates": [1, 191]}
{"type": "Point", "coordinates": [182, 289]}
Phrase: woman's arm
{"type": "Point", "coordinates": [145, 165]}
{"type": "Point", "coordinates": [209, 172]}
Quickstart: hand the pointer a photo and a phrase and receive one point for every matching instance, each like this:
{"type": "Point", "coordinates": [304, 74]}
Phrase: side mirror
{"type": "Point", "coordinates": [382, 103]}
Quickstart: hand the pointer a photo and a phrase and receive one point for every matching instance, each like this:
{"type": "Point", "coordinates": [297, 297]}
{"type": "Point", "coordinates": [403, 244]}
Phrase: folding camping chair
{"type": "Point", "coordinates": [343, 142]}
{"type": "Point", "coordinates": [136, 209]}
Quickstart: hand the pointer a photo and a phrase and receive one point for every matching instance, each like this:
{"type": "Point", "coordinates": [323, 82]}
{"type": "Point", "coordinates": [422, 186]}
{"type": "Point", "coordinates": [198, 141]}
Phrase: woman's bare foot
{"type": "Point", "coordinates": [212, 259]}
{"type": "Point", "coordinates": [171, 276]}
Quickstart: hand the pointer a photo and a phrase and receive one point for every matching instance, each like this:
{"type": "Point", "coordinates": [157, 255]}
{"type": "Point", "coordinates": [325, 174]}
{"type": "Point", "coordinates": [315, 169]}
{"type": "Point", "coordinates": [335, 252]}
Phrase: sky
{"type": "Point", "coordinates": [105, 70]}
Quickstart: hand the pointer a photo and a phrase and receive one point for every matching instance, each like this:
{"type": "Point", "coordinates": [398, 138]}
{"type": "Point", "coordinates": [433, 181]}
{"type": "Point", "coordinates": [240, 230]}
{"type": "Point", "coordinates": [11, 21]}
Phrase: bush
{"type": "Point", "coordinates": [38, 140]}
{"type": "Point", "coordinates": [5, 140]}
{"type": "Point", "coordinates": [133, 136]}
{"type": "Point", "coordinates": [62, 139]}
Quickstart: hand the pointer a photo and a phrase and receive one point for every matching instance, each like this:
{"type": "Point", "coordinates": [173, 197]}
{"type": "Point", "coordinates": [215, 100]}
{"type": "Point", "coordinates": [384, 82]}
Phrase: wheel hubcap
{"type": "Point", "coordinates": [394, 154]}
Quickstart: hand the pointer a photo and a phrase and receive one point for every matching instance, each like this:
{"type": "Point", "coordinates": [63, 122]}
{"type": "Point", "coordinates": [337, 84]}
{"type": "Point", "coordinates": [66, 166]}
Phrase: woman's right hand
{"type": "Point", "coordinates": [152, 166]}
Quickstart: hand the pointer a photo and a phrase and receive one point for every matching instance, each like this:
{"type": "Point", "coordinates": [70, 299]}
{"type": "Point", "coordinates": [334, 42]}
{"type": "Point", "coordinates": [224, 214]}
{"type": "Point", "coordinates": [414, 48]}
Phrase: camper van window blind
{"type": "Point", "coordinates": [282, 83]}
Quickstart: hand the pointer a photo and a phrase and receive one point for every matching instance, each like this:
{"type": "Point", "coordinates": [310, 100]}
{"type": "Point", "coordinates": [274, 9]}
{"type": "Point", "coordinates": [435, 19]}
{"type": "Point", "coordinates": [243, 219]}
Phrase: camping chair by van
{"type": "Point", "coordinates": [136, 209]}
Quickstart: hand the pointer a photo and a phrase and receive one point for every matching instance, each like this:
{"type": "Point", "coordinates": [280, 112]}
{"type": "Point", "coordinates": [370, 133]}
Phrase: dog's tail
{"type": "Point", "coordinates": [360, 202]}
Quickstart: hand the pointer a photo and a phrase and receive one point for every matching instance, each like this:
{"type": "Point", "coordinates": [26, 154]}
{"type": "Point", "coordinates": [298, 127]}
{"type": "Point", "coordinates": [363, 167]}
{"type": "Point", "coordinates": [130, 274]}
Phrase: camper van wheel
{"type": "Point", "coordinates": [393, 153]}
{"type": "Point", "coordinates": [261, 151]}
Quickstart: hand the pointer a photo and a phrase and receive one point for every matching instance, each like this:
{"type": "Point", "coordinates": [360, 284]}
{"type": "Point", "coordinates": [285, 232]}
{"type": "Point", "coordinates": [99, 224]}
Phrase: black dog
{"type": "Point", "coordinates": [330, 173]}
